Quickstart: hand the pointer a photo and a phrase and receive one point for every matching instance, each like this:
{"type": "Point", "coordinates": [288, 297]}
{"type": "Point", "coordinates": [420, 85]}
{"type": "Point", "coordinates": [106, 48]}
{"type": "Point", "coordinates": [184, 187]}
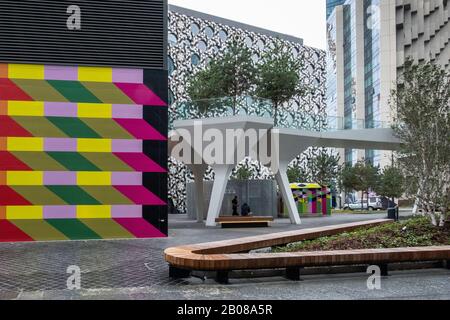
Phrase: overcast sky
{"type": "Point", "coordinates": [301, 18]}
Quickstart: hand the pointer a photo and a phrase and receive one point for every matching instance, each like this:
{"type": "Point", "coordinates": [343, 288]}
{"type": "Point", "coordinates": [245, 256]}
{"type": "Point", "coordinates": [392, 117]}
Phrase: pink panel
{"type": "Point", "coordinates": [128, 75]}
{"type": "Point", "coordinates": [140, 195]}
{"type": "Point", "coordinates": [126, 178]}
{"type": "Point", "coordinates": [126, 211]}
{"type": "Point", "coordinates": [60, 212]}
{"type": "Point", "coordinates": [61, 73]}
{"type": "Point", "coordinates": [125, 111]}
{"type": "Point", "coordinates": [140, 94]}
{"type": "Point", "coordinates": [140, 162]}
{"type": "Point", "coordinates": [140, 228]}
{"type": "Point", "coordinates": [140, 129]}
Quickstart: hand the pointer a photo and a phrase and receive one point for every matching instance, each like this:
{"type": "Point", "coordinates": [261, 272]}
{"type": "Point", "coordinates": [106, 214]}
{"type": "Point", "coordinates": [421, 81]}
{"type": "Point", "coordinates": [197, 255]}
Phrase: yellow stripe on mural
{"type": "Point", "coordinates": [25, 144]}
{"type": "Point", "coordinates": [95, 74]}
{"type": "Point", "coordinates": [94, 212]}
{"type": "Point", "coordinates": [24, 212]}
{"type": "Point", "coordinates": [94, 110]}
{"type": "Point", "coordinates": [24, 178]}
{"type": "Point", "coordinates": [94, 178]}
{"type": "Point", "coordinates": [26, 71]}
{"type": "Point", "coordinates": [94, 145]}
{"type": "Point", "coordinates": [26, 108]}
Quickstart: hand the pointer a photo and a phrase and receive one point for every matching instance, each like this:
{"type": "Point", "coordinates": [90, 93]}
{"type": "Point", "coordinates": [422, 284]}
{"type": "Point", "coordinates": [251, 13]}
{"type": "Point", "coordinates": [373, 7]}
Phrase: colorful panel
{"type": "Point", "coordinates": [72, 156]}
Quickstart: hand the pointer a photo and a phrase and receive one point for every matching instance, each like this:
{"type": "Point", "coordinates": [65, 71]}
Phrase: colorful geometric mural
{"type": "Point", "coordinates": [312, 199]}
{"type": "Point", "coordinates": [79, 156]}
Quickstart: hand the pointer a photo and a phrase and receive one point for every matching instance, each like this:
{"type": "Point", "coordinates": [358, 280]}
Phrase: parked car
{"type": "Point", "coordinates": [374, 204]}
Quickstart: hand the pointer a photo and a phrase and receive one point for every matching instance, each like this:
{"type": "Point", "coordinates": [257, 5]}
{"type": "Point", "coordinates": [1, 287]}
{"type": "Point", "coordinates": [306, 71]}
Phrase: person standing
{"type": "Point", "coordinates": [235, 205]}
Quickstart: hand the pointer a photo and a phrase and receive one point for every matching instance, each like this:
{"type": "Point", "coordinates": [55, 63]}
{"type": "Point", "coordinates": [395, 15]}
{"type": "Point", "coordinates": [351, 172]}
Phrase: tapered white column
{"type": "Point", "coordinates": [199, 172]}
{"type": "Point", "coordinates": [286, 193]}
{"type": "Point", "coordinates": [222, 174]}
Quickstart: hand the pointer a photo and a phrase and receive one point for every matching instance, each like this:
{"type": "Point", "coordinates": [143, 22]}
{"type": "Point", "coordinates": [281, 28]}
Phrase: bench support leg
{"type": "Point", "coordinates": [384, 270]}
{"type": "Point", "coordinates": [293, 273]}
{"type": "Point", "coordinates": [177, 273]}
{"type": "Point", "coordinates": [222, 277]}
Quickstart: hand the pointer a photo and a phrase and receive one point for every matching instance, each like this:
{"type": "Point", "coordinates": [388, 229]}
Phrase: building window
{"type": "Point", "coordinates": [201, 45]}
{"type": "Point", "coordinates": [195, 60]}
{"type": "Point", "coordinates": [195, 29]}
{"type": "Point", "coordinates": [249, 42]}
{"type": "Point", "coordinates": [172, 39]}
{"type": "Point", "coordinates": [209, 32]}
{"type": "Point", "coordinates": [170, 66]}
{"type": "Point", "coordinates": [223, 35]}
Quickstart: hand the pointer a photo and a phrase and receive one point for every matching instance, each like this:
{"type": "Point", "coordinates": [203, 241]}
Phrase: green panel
{"type": "Point", "coordinates": [108, 128]}
{"type": "Point", "coordinates": [108, 92]}
{"type": "Point", "coordinates": [40, 127]}
{"type": "Point", "coordinates": [38, 195]}
{"type": "Point", "coordinates": [39, 161]}
{"type": "Point", "coordinates": [74, 229]}
{"type": "Point", "coordinates": [39, 230]}
{"type": "Point", "coordinates": [107, 162]}
{"type": "Point", "coordinates": [73, 161]}
{"type": "Point", "coordinates": [107, 194]}
{"type": "Point", "coordinates": [74, 91]}
{"type": "Point", "coordinates": [74, 127]}
{"type": "Point", "coordinates": [40, 90]}
{"type": "Point", "coordinates": [107, 228]}
{"type": "Point", "coordinates": [73, 195]}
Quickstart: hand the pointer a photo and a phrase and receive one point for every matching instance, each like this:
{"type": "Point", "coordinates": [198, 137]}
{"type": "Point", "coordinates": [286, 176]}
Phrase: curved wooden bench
{"type": "Point", "coordinates": [244, 222]}
{"type": "Point", "coordinates": [224, 256]}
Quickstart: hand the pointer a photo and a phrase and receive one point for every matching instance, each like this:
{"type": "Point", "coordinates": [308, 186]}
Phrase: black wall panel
{"type": "Point", "coordinates": [120, 33]}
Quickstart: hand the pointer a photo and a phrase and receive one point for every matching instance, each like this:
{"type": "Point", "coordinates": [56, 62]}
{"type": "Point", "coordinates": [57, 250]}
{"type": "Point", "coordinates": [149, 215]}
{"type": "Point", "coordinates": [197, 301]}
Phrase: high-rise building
{"type": "Point", "coordinates": [331, 4]}
{"type": "Point", "coordinates": [368, 42]}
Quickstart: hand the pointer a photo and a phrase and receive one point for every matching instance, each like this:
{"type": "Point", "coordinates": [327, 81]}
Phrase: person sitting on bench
{"type": "Point", "coordinates": [235, 204]}
{"type": "Point", "coordinates": [245, 210]}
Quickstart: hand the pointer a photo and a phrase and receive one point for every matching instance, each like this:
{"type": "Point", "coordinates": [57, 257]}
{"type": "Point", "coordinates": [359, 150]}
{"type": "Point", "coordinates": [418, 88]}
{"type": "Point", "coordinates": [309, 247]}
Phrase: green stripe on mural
{"type": "Point", "coordinates": [74, 127]}
{"type": "Point", "coordinates": [107, 162]}
{"type": "Point", "coordinates": [39, 161]}
{"type": "Point", "coordinates": [40, 127]}
{"type": "Point", "coordinates": [107, 228]}
{"type": "Point", "coordinates": [38, 195]}
{"type": "Point", "coordinates": [108, 128]}
{"type": "Point", "coordinates": [107, 194]}
{"type": "Point", "coordinates": [74, 229]}
{"type": "Point", "coordinates": [40, 90]}
{"type": "Point", "coordinates": [74, 91]}
{"type": "Point", "coordinates": [39, 230]}
{"type": "Point", "coordinates": [73, 161]}
{"type": "Point", "coordinates": [108, 92]}
{"type": "Point", "coordinates": [73, 195]}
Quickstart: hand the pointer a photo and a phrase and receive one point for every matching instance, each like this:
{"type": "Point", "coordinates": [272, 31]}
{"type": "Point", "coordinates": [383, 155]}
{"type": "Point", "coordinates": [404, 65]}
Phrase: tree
{"type": "Point", "coordinates": [362, 177]}
{"type": "Point", "coordinates": [296, 174]}
{"type": "Point", "coordinates": [325, 168]}
{"type": "Point", "coordinates": [390, 183]}
{"type": "Point", "coordinates": [243, 173]}
{"type": "Point", "coordinates": [421, 104]}
{"type": "Point", "coordinates": [278, 77]}
{"type": "Point", "coordinates": [229, 75]}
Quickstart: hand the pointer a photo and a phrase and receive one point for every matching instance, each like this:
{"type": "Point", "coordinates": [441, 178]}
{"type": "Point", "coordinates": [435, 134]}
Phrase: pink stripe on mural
{"type": "Point", "coordinates": [126, 211]}
{"type": "Point", "coordinates": [60, 144]}
{"type": "Point", "coordinates": [140, 94]}
{"type": "Point", "coordinates": [128, 75]}
{"type": "Point", "coordinates": [140, 129]}
{"type": "Point", "coordinates": [60, 109]}
{"type": "Point", "coordinates": [140, 162]}
{"type": "Point", "coordinates": [126, 178]}
{"type": "Point", "coordinates": [140, 228]}
{"type": "Point", "coordinates": [140, 195]}
{"type": "Point", "coordinates": [125, 111]}
{"type": "Point", "coordinates": [60, 178]}
{"type": "Point", "coordinates": [60, 212]}
{"type": "Point", "coordinates": [127, 145]}
{"type": "Point", "coordinates": [61, 73]}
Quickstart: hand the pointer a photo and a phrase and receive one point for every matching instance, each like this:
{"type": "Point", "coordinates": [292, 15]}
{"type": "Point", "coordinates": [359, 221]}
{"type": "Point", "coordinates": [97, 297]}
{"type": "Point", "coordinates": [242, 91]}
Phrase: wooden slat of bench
{"type": "Point", "coordinates": [243, 219]}
{"type": "Point", "coordinates": [308, 259]}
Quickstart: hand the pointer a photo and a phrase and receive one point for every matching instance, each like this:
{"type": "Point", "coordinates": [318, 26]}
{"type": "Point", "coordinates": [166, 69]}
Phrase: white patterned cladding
{"type": "Point", "coordinates": [194, 41]}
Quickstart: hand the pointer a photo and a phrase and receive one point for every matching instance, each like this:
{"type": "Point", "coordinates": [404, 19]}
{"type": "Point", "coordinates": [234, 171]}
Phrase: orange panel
{"type": "Point", "coordinates": [3, 144]}
{"type": "Point", "coordinates": [3, 108]}
{"type": "Point", "coordinates": [3, 70]}
{"type": "Point", "coordinates": [2, 213]}
{"type": "Point", "coordinates": [2, 178]}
